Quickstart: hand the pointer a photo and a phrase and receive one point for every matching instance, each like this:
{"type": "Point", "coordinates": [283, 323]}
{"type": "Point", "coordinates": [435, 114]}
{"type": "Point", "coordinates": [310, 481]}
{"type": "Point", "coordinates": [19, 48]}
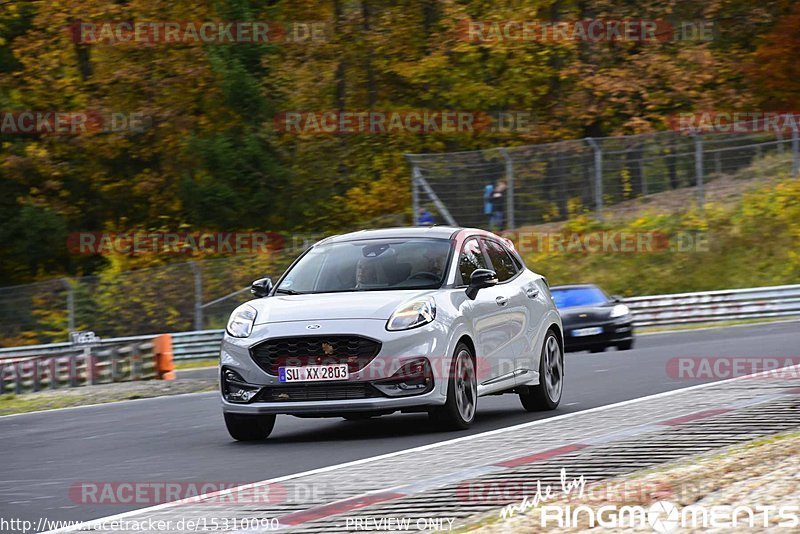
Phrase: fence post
{"type": "Point", "coordinates": [70, 304]}
{"type": "Point", "coordinates": [642, 175]}
{"type": "Point", "coordinates": [698, 169]}
{"type": "Point", "coordinates": [198, 295]}
{"type": "Point", "coordinates": [511, 222]}
{"type": "Point", "coordinates": [443, 211]}
{"type": "Point", "coordinates": [414, 195]}
{"type": "Point", "coordinates": [598, 176]}
{"type": "Point", "coordinates": [795, 149]}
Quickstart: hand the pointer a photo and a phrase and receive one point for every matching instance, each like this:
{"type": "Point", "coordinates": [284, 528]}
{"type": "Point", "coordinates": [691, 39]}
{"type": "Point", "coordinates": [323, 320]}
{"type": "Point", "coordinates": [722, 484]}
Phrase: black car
{"type": "Point", "coordinates": [592, 320]}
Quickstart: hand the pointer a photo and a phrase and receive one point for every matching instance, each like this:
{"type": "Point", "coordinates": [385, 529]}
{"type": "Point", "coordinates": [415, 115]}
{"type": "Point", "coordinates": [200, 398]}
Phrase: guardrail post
{"type": "Point", "coordinates": [90, 367]}
{"type": "Point", "coordinates": [136, 363]}
{"type": "Point", "coordinates": [114, 356]}
{"type": "Point", "coordinates": [53, 375]}
{"type": "Point", "coordinates": [510, 220]}
{"type": "Point", "coordinates": [73, 370]}
{"type": "Point", "coordinates": [598, 176]}
{"type": "Point", "coordinates": [698, 168]}
{"type": "Point", "coordinates": [36, 378]}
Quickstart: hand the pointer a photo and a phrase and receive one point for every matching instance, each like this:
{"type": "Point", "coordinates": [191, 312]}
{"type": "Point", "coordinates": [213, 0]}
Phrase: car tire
{"type": "Point", "coordinates": [595, 350]}
{"type": "Point", "coordinates": [249, 427]}
{"type": "Point", "coordinates": [547, 393]}
{"type": "Point", "coordinates": [458, 412]}
{"type": "Point", "coordinates": [625, 345]}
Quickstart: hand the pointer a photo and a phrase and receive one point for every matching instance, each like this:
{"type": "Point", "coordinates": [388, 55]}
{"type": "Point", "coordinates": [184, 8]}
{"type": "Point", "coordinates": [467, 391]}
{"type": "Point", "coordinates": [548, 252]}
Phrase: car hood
{"type": "Point", "coordinates": [327, 306]}
{"type": "Point", "coordinates": [584, 314]}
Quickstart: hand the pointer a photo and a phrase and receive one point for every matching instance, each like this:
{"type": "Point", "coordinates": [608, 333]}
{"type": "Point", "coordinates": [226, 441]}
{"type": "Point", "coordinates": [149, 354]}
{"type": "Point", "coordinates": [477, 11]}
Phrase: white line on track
{"type": "Point", "coordinates": [666, 332]}
{"type": "Point", "coordinates": [398, 453]}
{"type": "Point", "coordinates": [108, 403]}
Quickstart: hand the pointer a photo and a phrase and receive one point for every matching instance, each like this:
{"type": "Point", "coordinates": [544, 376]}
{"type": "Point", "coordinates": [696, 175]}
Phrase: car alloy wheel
{"type": "Point", "coordinates": [466, 388]}
{"type": "Point", "coordinates": [553, 371]}
{"type": "Point", "coordinates": [458, 411]}
{"type": "Point", "coordinates": [547, 393]}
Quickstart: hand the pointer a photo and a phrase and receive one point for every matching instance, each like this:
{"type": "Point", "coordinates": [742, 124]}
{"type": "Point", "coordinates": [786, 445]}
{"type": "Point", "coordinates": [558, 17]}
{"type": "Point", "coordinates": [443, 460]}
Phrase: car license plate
{"type": "Point", "coordinates": [583, 332]}
{"type": "Point", "coordinates": [313, 373]}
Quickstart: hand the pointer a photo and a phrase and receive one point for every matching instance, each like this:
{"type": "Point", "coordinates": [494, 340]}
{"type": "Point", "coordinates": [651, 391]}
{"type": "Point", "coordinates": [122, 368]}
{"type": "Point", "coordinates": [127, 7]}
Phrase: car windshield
{"type": "Point", "coordinates": [369, 265]}
{"type": "Point", "coordinates": [578, 296]}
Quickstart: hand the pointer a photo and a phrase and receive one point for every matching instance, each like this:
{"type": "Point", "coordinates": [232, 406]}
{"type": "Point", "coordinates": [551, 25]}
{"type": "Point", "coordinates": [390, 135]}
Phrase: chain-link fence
{"type": "Point", "coordinates": [505, 188]}
{"type": "Point", "coordinates": [176, 297]}
{"type": "Point", "coordinates": [169, 298]}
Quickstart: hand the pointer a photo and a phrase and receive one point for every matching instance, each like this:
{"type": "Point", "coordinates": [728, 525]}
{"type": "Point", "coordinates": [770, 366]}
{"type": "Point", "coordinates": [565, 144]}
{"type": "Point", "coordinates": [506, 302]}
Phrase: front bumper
{"type": "Point", "coordinates": [397, 349]}
{"type": "Point", "coordinates": [613, 333]}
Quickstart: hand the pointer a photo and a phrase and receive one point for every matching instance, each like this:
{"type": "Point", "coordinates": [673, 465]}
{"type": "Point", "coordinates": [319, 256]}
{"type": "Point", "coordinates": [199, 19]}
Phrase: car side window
{"type": "Point", "coordinates": [502, 263]}
{"type": "Point", "coordinates": [471, 258]}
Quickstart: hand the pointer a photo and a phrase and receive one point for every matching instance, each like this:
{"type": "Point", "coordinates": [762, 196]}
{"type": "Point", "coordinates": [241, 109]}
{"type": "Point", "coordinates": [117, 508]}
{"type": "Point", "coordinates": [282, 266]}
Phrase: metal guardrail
{"type": "Point", "coordinates": [716, 306]}
{"type": "Point", "coordinates": [78, 367]}
{"type": "Point", "coordinates": [185, 346]}
{"type": "Point", "coordinates": [655, 310]}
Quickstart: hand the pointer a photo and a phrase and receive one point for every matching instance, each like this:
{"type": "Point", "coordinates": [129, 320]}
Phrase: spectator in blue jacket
{"type": "Point", "coordinates": [488, 191]}
{"type": "Point", "coordinates": [425, 218]}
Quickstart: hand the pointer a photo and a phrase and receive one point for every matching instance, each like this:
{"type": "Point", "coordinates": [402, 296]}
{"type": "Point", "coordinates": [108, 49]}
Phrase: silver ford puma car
{"type": "Point", "coordinates": [405, 319]}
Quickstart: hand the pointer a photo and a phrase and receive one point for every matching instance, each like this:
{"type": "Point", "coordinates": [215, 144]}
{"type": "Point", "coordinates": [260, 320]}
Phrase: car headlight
{"type": "Point", "coordinates": [241, 322]}
{"type": "Point", "coordinates": [619, 310]}
{"type": "Point", "coordinates": [412, 315]}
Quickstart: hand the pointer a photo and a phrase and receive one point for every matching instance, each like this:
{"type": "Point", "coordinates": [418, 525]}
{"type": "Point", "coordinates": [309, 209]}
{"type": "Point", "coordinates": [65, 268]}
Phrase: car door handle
{"type": "Point", "coordinates": [501, 301]}
{"type": "Point", "coordinates": [532, 292]}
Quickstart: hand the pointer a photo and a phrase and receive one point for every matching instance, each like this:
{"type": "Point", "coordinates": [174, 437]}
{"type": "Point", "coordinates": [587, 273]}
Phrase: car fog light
{"type": "Point", "coordinates": [413, 378]}
{"type": "Point", "coordinates": [235, 389]}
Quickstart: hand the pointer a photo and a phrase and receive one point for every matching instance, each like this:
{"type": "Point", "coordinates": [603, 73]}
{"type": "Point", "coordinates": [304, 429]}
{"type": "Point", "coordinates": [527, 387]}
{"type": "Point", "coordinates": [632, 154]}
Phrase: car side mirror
{"type": "Point", "coordinates": [261, 287]}
{"type": "Point", "coordinates": [616, 299]}
{"type": "Point", "coordinates": [480, 279]}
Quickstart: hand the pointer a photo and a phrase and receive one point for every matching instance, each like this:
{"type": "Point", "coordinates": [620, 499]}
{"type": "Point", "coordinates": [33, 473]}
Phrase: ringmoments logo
{"type": "Point", "coordinates": [664, 516]}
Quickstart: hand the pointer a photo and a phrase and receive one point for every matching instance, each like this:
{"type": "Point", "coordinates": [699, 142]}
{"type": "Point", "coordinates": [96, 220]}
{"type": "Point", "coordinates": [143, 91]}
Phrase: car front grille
{"type": "Point", "coordinates": [355, 351]}
{"type": "Point", "coordinates": [318, 393]}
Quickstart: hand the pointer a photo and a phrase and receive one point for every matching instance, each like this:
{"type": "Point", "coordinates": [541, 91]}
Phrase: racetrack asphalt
{"type": "Point", "coordinates": [183, 438]}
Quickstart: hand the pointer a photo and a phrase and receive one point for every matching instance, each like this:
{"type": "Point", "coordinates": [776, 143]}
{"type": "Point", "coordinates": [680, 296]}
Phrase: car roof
{"type": "Point", "coordinates": [432, 232]}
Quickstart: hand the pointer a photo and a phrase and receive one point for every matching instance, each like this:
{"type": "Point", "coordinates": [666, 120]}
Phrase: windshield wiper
{"type": "Point", "coordinates": [287, 291]}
